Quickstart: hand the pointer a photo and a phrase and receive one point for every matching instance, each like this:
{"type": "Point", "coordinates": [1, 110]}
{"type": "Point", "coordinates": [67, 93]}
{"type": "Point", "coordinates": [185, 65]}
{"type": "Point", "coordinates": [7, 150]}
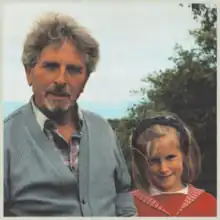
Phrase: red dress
{"type": "Point", "coordinates": [196, 203]}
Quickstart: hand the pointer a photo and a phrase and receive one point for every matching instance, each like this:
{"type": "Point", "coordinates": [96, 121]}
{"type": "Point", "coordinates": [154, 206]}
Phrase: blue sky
{"type": "Point", "coordinates": [136, 39]}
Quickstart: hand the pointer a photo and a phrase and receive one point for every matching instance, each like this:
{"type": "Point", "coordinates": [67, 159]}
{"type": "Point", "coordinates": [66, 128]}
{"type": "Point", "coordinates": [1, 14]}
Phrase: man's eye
{"type": "Point", "coordinates": [74, 69]}
{"type": "Point", "coordinates": [50, 66]}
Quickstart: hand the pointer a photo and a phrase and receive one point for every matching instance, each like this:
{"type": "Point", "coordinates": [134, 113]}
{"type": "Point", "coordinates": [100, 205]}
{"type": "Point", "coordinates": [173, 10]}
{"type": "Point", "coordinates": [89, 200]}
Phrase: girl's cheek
{"type": "Point", "coordinates": [153, 170]}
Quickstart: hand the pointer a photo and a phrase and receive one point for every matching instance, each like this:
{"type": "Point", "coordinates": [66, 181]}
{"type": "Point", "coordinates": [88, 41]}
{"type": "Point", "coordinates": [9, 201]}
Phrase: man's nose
{"type": "Point", "coordinates": [61, 77]}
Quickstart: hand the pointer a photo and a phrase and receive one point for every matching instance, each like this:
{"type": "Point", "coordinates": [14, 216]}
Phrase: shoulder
{"type": "Point", "coordinates": [96, 120]}
{"type": "Point", "coordinates": [13, 117]}
{"type": "Point", "coordinates": [143, 202]}
{"type": "Point", "coordinates": [205, 202]}
{"type": "Point", "coordinates": [208, 203]}
{"type": "Point", "coordinates": [207, 197]}
{"type": "Point", "coordinates": [12, 125]}
{"type": "Point", "coordinates": [140, 195]}
{"type": "Point", "coordinates": [92, 115]}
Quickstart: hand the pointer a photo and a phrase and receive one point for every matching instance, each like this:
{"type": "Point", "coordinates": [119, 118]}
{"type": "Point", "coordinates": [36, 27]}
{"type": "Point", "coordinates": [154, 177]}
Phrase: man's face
{"type": "Point", "coordinates": [58, 77]}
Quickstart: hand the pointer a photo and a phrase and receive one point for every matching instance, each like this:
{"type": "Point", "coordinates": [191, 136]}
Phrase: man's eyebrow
{"type": "Point", "coordinates": [77, 66]}
{"type": "Point", "coordinates": [44, 63]}
{"type": "Point", "coordinates": [58, 64]}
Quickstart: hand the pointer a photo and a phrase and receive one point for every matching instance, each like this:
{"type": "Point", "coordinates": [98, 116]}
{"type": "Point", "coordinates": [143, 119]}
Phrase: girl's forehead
{"type": "Point", "coordinates": [165, 145]}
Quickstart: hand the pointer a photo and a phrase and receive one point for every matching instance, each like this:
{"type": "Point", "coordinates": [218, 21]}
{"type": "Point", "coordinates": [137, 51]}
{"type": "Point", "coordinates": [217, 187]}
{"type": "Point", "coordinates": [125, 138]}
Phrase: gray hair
{"type": "Point", "coordinates": [53, 28]}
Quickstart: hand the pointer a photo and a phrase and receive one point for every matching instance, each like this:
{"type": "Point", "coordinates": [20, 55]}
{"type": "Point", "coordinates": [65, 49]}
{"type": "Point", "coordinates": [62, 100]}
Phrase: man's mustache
{"type": "Point", "coordinates": [58, 91]}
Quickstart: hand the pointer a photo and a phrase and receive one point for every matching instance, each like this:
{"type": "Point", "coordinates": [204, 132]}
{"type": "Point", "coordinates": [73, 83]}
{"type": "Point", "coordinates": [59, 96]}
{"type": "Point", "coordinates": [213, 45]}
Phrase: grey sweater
{"type": "Point", "coordinates": [37, 183]}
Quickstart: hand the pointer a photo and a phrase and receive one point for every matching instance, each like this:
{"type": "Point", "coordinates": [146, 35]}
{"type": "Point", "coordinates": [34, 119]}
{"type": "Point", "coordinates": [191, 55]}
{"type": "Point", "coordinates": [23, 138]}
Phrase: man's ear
{"type": "Point", "coordinates": [28, 75]}
{"type": "Point", "coordinates": [82, 89]}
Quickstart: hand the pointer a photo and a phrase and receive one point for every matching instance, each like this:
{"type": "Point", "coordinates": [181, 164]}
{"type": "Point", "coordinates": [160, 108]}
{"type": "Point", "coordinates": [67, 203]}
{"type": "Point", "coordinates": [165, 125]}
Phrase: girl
{"type": "Point", "coordinates": [166, 160]}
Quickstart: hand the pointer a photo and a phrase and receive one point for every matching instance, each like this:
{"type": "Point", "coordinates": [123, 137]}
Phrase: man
{"type": "Point", "coordinates": [60, 160]}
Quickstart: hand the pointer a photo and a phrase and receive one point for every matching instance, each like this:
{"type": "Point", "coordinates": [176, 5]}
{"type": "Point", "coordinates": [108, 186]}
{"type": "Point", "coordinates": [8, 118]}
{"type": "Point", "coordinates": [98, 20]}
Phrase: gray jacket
{"type": "Point", "coordinates": [37, 183]}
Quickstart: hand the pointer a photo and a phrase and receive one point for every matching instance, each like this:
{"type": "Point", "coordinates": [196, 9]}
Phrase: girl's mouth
{"type": "Point", "coordinates": [165, 176]}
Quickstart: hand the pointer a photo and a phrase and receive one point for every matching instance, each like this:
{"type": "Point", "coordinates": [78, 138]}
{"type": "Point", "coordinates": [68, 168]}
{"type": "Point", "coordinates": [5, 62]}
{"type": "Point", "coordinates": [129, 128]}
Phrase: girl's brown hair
{"type": "Point", "coordinates": [152, 128]}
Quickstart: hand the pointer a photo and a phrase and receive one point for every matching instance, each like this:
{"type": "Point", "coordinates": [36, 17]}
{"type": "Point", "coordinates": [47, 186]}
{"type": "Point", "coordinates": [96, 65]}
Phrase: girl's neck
{"type": "Point", "coordinates": [181, 189]}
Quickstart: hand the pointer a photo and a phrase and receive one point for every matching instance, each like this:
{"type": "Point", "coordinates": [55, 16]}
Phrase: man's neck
{"type": "Point", "coordinates": [63, 118]}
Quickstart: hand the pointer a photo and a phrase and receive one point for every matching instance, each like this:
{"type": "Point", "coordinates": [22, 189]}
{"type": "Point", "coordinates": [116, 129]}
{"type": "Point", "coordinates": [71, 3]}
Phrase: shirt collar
{"type": "Point", "coordinates": [155, 192]}
{"type": "Point", "coordinates": [41, 118]}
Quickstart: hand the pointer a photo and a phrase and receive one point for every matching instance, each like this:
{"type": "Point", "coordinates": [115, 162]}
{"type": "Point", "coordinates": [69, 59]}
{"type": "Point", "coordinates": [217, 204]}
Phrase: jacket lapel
{"type": "Point", "coordinates": [193, 194]}
{"type": "Point", "coordinates": [149, 200]}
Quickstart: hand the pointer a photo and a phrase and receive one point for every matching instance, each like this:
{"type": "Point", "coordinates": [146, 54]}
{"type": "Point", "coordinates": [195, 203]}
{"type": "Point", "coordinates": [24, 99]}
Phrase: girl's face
{"type": "Point", "coordinates": [166, 163]}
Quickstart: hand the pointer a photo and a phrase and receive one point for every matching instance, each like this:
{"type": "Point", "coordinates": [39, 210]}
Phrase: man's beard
{"type": "Point", "coordinates": [57, 105]}
{"type": "Point", "coordinates": [56, 110]}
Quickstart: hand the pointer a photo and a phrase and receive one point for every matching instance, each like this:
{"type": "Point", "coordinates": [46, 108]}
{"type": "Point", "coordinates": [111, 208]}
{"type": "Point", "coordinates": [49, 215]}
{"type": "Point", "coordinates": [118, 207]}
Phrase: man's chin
{"type": "Point", "coordinates": [56, 112]}
{"type": "Point", "coordinates": [58, 107]}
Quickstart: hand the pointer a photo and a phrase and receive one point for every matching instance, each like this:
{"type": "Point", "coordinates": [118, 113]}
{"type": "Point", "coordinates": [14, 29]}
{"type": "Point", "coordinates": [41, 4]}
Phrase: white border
{"type": "Point", "coordinates": [115, 2]}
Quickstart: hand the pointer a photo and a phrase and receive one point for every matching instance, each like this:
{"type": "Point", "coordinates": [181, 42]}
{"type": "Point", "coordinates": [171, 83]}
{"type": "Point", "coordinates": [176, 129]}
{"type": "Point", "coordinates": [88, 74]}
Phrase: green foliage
{"type": "Point", "coordinates": [188, 90]}
{"type": "Point", "coordinates": [123, 129]}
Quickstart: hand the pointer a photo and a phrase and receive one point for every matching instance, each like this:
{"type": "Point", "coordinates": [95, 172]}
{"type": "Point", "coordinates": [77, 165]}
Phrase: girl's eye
{"type": "Point", "coordinates": [171, 157]}
{"type": "Point", "coordinates": [154, 161]}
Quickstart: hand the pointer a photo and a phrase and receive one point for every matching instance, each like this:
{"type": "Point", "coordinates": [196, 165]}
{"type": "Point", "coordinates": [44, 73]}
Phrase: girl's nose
{"type": "Point", "coordinates": [164, 168]}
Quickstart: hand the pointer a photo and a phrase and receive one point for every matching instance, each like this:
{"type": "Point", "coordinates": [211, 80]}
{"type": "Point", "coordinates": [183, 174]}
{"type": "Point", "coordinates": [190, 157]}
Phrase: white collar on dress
{"type": "Point", "coordinates": [155, 192]}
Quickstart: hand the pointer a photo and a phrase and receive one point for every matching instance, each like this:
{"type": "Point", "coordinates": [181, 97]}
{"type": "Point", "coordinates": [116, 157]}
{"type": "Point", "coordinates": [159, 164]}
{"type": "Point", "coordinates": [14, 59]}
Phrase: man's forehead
{"type": "Point", "coordinates": [67, 55]}
{"type": "Point", "coordinates": [65, 46]}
